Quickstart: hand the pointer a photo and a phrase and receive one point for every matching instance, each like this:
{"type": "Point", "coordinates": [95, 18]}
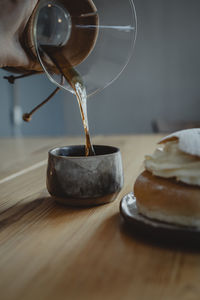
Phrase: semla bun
{"type": "Point", "coordinates": [168, 199]}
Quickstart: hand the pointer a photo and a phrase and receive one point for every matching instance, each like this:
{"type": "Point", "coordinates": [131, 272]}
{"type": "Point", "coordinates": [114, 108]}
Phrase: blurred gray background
{"type": "Point", "coordinates": [161, 81]}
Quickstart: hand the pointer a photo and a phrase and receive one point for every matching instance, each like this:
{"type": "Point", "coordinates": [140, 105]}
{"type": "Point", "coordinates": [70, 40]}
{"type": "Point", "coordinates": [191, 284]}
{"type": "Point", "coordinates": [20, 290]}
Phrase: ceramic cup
{"type": "Point", "coordinates": [74, 179]}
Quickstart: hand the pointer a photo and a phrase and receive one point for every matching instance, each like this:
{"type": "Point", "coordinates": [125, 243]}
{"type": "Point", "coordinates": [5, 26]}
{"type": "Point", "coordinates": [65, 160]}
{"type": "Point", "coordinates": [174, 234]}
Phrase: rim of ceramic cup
{"type": "Point", "coordinates": [55, 151]}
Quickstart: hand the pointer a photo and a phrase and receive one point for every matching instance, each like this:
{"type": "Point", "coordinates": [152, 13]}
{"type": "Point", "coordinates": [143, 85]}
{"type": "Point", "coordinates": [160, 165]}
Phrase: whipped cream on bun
{"type": "Point", "coordinates": [177, 157]}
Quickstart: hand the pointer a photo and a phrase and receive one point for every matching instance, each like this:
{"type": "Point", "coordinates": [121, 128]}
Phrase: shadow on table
{"type": "Point", "coordinates": [44, 207]}
{"type": "Point", "coordinates": [161, 241]}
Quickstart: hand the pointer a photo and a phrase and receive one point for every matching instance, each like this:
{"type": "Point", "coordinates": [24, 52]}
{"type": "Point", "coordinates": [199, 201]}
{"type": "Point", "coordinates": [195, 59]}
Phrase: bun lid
{"type": "Point", "coordinates": [188, 140]}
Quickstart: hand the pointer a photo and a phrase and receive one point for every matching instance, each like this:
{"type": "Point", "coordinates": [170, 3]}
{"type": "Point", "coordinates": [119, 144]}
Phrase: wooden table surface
{"type": "Point", "coordinates": [51, 252]}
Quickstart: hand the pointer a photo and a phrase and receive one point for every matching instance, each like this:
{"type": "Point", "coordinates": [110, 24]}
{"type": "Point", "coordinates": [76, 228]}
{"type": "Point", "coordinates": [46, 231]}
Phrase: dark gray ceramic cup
{"type": "Point", "coordinates": [74, 179]}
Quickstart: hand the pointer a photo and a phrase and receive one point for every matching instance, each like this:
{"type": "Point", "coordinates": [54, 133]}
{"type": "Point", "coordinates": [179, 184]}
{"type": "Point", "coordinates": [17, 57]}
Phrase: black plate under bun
{"type": "Point", "coordinates": [155, 230]}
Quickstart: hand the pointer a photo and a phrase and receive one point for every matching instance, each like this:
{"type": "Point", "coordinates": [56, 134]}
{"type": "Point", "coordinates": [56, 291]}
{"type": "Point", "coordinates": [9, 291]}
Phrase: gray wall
{"type": "Point", "coordinates": [161, 81]}
{"type": "Point", "coordinates": [30, 92]}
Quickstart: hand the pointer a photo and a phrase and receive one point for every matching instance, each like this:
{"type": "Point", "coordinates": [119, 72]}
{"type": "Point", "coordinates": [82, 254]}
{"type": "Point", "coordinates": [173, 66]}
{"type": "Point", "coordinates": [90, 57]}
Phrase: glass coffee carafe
{"type": "Point", "coordinates": [82, 46]}
{"type": "Point", "coordinates": [94, 39]}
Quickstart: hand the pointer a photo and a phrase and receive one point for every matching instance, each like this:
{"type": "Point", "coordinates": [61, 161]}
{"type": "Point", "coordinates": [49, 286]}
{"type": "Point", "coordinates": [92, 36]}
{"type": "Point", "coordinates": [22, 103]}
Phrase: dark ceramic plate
{"type": "Point", "coordinates": [155, 229]}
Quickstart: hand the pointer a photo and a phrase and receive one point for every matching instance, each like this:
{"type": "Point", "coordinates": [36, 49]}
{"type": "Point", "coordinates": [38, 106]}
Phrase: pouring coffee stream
{"type": "Point", "coordinates": [75, 81]}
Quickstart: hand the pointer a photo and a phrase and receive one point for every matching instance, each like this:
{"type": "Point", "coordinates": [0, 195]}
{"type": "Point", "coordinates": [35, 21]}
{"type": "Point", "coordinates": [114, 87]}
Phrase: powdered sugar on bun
{"type": "Point", "coordinates": [188, 140]}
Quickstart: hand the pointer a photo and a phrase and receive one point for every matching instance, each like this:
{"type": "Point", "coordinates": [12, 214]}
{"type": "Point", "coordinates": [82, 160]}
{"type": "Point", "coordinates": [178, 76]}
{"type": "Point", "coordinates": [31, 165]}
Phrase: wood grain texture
{"type": "Point", "coordinates": [49, 251]}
